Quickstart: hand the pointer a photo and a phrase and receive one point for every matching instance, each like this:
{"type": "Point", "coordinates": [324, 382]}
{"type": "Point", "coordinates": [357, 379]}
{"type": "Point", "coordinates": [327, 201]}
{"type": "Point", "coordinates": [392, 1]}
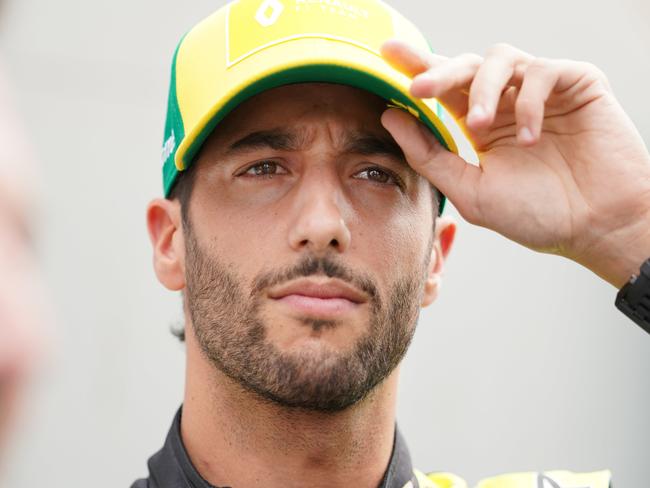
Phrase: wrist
{"type": "Point", "coordinates": [618, 254]}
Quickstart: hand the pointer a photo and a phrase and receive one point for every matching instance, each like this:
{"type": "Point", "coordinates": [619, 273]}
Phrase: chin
{"type": "Point", "coordinates": [316, 335]}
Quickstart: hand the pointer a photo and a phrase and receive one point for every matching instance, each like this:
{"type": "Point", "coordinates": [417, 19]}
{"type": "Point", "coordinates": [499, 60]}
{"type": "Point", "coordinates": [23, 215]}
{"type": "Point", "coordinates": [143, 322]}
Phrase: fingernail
{"type": "Point", "coordinates": [476, 113]}
{"type": "Point", "coordinates": [425, 77]}
{"type": "Point", "coordinates": [525, 135]}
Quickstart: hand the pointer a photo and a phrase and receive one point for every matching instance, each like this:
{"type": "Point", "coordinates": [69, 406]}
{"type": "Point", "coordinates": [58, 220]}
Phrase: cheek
{"type": "Point", "coordinates": [246, 237]}
{"type": "Point", "coordinates": [401, 219]}
{"type": "Point", "coordinates": [243, 240]}
{"type": "Point", "coordinates": [234, 214]}
{"type": "Point", "coordinates": [389, 231]}
{"type": "Point", "coordinates": [394, 243]}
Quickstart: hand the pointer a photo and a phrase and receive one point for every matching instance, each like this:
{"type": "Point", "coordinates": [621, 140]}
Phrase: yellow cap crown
{"type": "Point", "coordinates": [249, 46]}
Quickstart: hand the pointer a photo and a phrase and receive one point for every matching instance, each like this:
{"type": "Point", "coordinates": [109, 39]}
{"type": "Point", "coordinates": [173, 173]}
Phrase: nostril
{"type": "Point", "coordinates": [334, 243]}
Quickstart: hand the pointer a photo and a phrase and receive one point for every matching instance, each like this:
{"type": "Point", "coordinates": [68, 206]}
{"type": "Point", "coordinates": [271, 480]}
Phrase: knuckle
{"type": "Point", "coordinates": [542, 69]}
{"type": "Point", "coordinates": [588, 67]}
{"type": "Point", "coordinates": [500, 48]}
{"type": "Point", "coordinates": [595, 72]}
{"type": "Point", "coordinates": [470, 58]}
{"type": "Point", "coordinates": [540, 64]}
{"type": "Point", "coordinates": [479, 94]}
{"type": "Point", "coordinates": [526, 104]}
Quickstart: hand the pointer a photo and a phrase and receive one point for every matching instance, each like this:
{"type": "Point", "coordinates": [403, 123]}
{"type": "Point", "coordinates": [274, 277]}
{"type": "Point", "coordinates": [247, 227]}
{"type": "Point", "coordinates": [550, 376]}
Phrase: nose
{"type": "Point", "coordinates": [319, 224]}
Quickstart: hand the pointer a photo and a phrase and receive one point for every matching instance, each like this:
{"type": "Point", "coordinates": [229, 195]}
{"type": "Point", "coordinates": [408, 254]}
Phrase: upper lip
{"type": "Point", "coordinates": [319, 288]}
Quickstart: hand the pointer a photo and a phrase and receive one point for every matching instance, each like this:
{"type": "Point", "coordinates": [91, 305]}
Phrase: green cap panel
{"type": "Point", "coordinates": [174, 130]}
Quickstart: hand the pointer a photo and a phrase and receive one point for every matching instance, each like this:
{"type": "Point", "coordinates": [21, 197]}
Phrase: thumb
{"type": "Point", "coordinates": [448, 172]}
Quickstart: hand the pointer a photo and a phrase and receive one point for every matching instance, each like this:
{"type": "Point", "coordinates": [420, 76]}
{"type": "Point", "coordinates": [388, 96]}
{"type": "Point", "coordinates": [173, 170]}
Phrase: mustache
{"type": "Point", "coordinates": [310, 265]}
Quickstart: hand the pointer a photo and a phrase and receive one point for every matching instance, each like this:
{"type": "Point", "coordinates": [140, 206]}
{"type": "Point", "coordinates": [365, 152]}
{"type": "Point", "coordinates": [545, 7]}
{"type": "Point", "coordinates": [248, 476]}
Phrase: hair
{"type": "Point", "coordinates": [182, 190]}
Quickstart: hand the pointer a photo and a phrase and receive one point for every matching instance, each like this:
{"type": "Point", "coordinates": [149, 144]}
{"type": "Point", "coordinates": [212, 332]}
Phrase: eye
{"type": "Point", "coordinates": [264, 169]}
{"type": "Point", "coordinates": [379, 175]}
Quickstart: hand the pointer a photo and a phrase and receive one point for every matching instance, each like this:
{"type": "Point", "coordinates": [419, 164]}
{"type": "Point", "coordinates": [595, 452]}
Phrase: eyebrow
{"type": "Point", "coordinates": [373, 145]}
{"type": "Point", "coordinates": [277, 139]}
{"type": "Point", "coordinates": [363, 143]}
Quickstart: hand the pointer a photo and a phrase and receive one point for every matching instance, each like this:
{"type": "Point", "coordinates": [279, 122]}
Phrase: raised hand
{"type": "Point", "coordinates": [562, 169]}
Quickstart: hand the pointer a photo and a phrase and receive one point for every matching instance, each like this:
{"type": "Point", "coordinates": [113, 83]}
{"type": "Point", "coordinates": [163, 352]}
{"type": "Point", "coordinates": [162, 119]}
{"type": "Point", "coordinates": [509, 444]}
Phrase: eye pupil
{"type": "Point", "coordinates": [266, 168]}
{"type": "Point", "coordinates": [377, 175]}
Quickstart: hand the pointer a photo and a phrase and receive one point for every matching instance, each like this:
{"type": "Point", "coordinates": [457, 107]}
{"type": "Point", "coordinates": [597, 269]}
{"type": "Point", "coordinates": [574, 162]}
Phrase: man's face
{"type": "Point", "coordinates": [308, 241]}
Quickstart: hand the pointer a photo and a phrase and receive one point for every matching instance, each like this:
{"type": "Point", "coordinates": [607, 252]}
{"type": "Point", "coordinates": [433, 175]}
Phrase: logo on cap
{"type": "Point", "coordinates": [254, 25]}
{"type": "Point", "coordinates": [169, 146]}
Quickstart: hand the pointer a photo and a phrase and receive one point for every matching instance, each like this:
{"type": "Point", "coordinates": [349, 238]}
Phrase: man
{"type": "Point", "coordinates": [302, 225]}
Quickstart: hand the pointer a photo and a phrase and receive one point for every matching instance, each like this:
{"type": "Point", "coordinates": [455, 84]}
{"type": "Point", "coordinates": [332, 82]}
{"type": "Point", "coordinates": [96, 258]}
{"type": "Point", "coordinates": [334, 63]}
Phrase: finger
{"type": "Point", "coordinates": [448, 172]}
{"type": "Point", "coordinates": [540, 79]}
{"type": "Point", "coordinates": [579, 83]}
{"type": "Point", "coordinates": [449, 82]}
{"type": "Point", "coordinates": [491, 80]}
{"type": "Point", "coordinates": [452, 74]}
{"type": "Point", "coordinates": [408, 59]}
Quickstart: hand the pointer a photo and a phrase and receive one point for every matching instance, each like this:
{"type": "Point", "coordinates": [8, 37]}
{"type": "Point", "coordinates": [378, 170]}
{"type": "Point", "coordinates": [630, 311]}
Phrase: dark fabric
{"type": "Point", "coordinates": [171, 467]}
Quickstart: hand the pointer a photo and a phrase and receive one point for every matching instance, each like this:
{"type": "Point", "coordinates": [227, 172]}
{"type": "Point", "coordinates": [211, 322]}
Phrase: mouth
{"type": "Point", "coordinates": [324, 298]}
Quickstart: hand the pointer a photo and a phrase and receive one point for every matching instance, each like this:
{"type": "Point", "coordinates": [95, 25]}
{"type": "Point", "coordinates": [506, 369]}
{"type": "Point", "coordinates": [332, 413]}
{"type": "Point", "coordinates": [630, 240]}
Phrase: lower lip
{"type": "Point", "coordinates": [321, 307]}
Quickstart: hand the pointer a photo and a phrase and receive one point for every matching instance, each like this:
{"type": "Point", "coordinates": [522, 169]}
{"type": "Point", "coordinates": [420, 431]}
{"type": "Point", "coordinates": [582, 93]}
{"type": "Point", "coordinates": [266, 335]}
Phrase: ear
{"type": "Point", "coordinates": [166, 233]}
{"type": "Point", "coordinates": [443, 241]}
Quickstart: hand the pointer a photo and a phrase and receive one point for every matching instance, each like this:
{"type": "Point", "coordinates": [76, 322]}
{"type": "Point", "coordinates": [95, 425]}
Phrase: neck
{"type": "Point", "coordinates": [236, 439]}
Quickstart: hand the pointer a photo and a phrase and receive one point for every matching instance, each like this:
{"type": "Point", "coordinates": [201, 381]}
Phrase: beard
{"type": "Point", "coordinates": [231, 331]}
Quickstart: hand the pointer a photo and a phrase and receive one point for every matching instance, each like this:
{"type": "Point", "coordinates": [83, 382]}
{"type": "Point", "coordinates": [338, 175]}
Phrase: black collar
{"type": "Point", "coordinates": [171, 467]}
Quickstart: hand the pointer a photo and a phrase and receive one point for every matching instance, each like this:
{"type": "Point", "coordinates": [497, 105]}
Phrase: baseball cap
{"type": "Point", "coordinates": [250, 46]}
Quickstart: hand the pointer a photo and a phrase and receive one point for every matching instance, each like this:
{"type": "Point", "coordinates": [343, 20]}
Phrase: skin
{"type": "Point", "coordinates": [320, 203]}
{"type": "Point", "coordinates": [562, 168]}
{"type": "Point", "coordinates": [552, 142]}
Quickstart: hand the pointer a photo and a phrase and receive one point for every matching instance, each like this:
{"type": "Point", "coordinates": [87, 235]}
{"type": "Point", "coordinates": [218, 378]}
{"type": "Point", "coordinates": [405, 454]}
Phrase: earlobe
{"type": "Point", "coordinates": [166, 234]}
{"type": "Point", "coordinates": [443, 242]}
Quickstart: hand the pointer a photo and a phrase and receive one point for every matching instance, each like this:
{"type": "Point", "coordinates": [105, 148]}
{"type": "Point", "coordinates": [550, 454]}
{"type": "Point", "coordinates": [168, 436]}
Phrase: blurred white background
{"type": "Point", "coordinates": [523, 364]}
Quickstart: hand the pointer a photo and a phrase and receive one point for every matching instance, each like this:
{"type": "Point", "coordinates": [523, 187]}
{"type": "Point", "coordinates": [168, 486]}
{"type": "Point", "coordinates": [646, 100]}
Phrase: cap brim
{"type": "Point", "coordinates": [308, 60]}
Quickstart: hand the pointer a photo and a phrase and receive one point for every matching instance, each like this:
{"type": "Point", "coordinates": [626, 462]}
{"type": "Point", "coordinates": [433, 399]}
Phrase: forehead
{"type": "Point", "coordinates": [344, 108]}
